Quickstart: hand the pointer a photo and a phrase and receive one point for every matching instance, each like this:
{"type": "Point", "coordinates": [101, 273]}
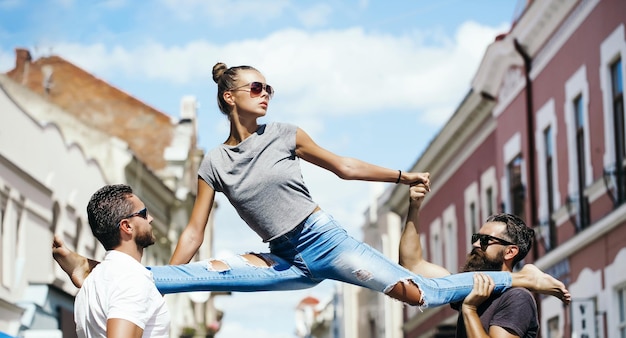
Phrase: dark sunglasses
{"type": "Point", "coordinates": [256, 88]}
{"type": "Point", "coordinates": [486, 240]}
{"type": "Point", "coordinates": [143, 213]}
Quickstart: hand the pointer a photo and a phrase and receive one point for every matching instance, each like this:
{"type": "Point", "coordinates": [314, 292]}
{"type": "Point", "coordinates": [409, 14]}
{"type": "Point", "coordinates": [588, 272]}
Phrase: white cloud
{"type": "Point", "coordinates": [9, 4]}
{"type": "Point", "coordinates": [226, 12]}
{"type": "Point", "coordinates": [113, 4]}
{"type": "Point", "coordinates": [315, 16]}
{"type": "Point", "coordinates": [332, 72]}
{"type": "Point", "coordinates": [65, 3]}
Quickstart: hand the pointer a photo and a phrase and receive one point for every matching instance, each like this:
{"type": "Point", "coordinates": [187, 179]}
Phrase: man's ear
{"type": "Point", "coordinates": [510, 252]}
{"type": "Point", "coordinates": [125, 227]}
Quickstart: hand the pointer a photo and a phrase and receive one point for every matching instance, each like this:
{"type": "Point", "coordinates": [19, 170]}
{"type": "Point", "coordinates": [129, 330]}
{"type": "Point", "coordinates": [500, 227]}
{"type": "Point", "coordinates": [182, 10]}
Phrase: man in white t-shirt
{"type": "Point", "coordinates": [119, 298]}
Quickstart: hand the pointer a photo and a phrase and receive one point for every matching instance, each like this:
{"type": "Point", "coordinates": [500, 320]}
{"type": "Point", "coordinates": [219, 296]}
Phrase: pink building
{"type": "Point", "coordinates": [541, 134]}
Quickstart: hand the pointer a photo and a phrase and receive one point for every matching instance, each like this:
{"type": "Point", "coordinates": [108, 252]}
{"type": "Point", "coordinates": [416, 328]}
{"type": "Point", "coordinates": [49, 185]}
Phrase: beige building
{"type": "Point", "coordinates": [64, 134]}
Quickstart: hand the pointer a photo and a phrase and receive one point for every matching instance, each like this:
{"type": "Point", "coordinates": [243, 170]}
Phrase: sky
{"type": "Point", "coordinates": [370, 79]}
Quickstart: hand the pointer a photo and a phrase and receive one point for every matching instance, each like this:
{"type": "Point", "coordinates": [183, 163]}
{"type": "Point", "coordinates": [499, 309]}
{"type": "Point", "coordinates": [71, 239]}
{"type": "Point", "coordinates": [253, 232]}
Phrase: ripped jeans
{"type": "Point", "coordinates": [317, 249]}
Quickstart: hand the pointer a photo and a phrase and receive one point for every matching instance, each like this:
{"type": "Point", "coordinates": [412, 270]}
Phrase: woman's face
{"type": "Point", "coordinates": [246, 99]}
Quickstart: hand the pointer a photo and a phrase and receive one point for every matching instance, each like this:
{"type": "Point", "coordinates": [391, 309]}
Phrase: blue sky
{"type": "Point", "coordinates": [369, 79]}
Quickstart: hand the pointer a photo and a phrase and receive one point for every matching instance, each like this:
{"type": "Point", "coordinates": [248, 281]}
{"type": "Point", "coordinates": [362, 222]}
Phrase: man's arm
{"type": "Point", "coordinates": [122, 328]}
{"type": "Point", "coordinates": [483, 287]}
{"type": "Point", "coordinates": [411, 256]}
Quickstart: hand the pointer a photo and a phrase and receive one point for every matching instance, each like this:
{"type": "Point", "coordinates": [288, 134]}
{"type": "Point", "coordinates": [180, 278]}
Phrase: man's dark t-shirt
{"type": "Point", "coordinates": [515, 310]}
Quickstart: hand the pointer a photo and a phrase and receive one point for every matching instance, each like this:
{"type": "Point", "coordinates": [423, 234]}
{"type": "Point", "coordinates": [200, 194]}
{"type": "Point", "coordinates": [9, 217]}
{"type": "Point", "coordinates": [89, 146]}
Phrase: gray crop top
{"type": "Point", "coordinates": [261, 178]}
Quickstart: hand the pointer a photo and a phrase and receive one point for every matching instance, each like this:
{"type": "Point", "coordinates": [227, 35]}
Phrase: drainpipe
{"type": "Point", "coordinates": [530, 122]}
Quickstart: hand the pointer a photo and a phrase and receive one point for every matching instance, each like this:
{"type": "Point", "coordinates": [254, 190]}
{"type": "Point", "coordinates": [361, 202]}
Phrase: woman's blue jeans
{"type": "Point", "coordinates": [317, 249]}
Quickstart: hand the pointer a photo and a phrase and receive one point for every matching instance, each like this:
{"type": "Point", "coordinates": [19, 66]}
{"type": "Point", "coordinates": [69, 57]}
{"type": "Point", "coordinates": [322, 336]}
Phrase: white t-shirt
{"type": "Point", "coordinates": [120, 287]}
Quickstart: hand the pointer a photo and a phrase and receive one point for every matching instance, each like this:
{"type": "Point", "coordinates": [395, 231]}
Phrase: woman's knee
{"type": "Point", "coordinates": [257, 260]}
{"type": "Point", "coordinates": [408, 292]}
{"type": "Point", "coordinates": [252, 259]}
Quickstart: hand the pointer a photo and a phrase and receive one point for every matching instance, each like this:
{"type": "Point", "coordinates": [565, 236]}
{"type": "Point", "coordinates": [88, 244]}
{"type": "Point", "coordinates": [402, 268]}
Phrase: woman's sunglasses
{"type": "Point", "coordinates": [256, 88]}
{"type": "Point", "coordinates": [143, 213]}
{"type": "Point", "coordinates": [487, 240]}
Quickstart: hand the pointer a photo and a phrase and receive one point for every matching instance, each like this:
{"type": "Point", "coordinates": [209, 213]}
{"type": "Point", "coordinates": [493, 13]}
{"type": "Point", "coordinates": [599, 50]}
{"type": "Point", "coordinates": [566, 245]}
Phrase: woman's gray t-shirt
{"type": "Point", "coordinates": [261, 178]}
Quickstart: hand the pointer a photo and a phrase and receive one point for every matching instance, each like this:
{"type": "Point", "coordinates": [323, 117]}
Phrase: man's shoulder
{"type": "Point", "coordinates": [517, 292]}
{"type": "Point", "coordinates": [516, 298]}
{"type": "Point", "coordinates": [117, 268]}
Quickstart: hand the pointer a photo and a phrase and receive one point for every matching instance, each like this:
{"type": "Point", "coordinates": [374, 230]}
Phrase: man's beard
{"type": "Point", "coordinates": [477, 260]}
{"type": "Point", "coordinates": [145, 239]}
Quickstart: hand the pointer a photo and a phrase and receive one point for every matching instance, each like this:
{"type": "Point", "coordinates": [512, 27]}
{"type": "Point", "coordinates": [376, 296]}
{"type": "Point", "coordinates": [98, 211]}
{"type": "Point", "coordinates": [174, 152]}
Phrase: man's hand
{"type": "Point", "coordinates": [483, 287]}
{"type": "Point", "coordinates": [417, 193]}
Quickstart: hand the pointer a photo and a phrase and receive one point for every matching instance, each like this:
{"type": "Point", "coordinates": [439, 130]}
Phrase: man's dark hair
{"type": "Point", "coordinates": [106, 208]}
{"type": "Point", "coordinates": [516, 232]}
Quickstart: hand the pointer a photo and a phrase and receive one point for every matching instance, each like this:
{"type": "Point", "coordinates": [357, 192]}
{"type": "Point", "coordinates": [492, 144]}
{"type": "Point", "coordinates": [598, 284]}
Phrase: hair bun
{"type": "Point", "coordinates": [218, 71]}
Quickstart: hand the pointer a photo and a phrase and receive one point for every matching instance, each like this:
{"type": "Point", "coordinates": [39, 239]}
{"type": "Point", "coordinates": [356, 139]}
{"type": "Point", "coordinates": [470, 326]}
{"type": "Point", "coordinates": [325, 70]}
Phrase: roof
{"type": "Point", "coordinates": [98, 104]}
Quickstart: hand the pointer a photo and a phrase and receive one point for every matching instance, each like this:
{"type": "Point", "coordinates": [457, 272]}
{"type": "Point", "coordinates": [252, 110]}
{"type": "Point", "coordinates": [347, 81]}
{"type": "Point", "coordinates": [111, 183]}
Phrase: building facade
{"type": "Point", "coordinates": [64, 134]}
{"type": "Point", "coordinates": [541, 134]}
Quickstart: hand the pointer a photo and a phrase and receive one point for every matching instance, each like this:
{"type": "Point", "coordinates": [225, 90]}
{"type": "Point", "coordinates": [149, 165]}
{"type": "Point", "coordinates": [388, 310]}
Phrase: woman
{"type": "Point", "coordinates": [258, 169]}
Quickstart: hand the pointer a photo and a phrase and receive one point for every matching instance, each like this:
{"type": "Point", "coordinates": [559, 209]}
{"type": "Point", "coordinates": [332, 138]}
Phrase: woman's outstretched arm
{"type": "Point", "coordinates": [191, 238]}
{"type": "Point", "coordinates": [351, 168]}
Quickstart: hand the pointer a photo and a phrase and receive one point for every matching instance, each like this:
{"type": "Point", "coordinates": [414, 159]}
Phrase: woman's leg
{"type": "Point", "coordinates": [75, 266]}
{"type": "Point", "coordinates": [533, 279]}
{"type": "Point", "coordinates": [329, 252]}
{"type": "Point", "coordinates": [241, 273]}
{"type": "Point", "coordinates": [245, 273]}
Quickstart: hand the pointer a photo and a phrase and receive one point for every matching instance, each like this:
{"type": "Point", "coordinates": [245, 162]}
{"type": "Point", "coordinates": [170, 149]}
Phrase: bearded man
{"type": "Point", "coordinates": [502, 242]}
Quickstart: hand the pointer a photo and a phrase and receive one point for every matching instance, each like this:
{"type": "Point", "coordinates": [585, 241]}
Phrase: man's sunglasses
{"type": "Point", "coordinates": [143, 213]}
{"type": "Point", "coordinates": [256, 88]}
{"type": "Point", "coordinates": [487, 240]}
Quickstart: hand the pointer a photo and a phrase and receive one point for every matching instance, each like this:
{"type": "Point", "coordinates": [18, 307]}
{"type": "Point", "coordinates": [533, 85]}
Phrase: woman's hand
{"type": "Point", "coordinates": [410, 178]}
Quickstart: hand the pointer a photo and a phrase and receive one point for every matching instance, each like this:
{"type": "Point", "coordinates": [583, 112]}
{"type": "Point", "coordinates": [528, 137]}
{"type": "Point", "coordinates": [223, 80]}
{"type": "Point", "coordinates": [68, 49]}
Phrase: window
{"type": "Point", "coordinates": [489, 198]}
{"type": "Point", "coordinates": [583, 205]}
{"type": "Point", "coordinates": [617, 98]}
{"type": "Point", "coordinates": [4, 199]}
{"type": "Point", "coordinates": [473, 217]}
{"type": "Point", "coordinates": [548, 163]}
{"type": "Point", "coordinates": [549, 196]}
{"type": "Point", "coordinates": [621, 305]}
{"type": "Point", "coordinates": [488, 192]}
{"type": "Point", "coordinates": [553, 328]}
{"type": "Point", "coordinates": [437, 249]}
{"type": "Point", "coordinates": [450, 233]}
{"type": "Point", "coordinates": [436, 245]}
{"type": "Point", "coordinates": [584, 317]}
{"type": "Point", "coordinates": [450, 236]}
{"type": "Point", "coordinates": [79, 233]}
{"type": "Point", "coordinates": [516, 187]}
{"type": "Point", "coordinates": [10, 240]}
{"type": "Point", "coordinates": [612, 51]}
